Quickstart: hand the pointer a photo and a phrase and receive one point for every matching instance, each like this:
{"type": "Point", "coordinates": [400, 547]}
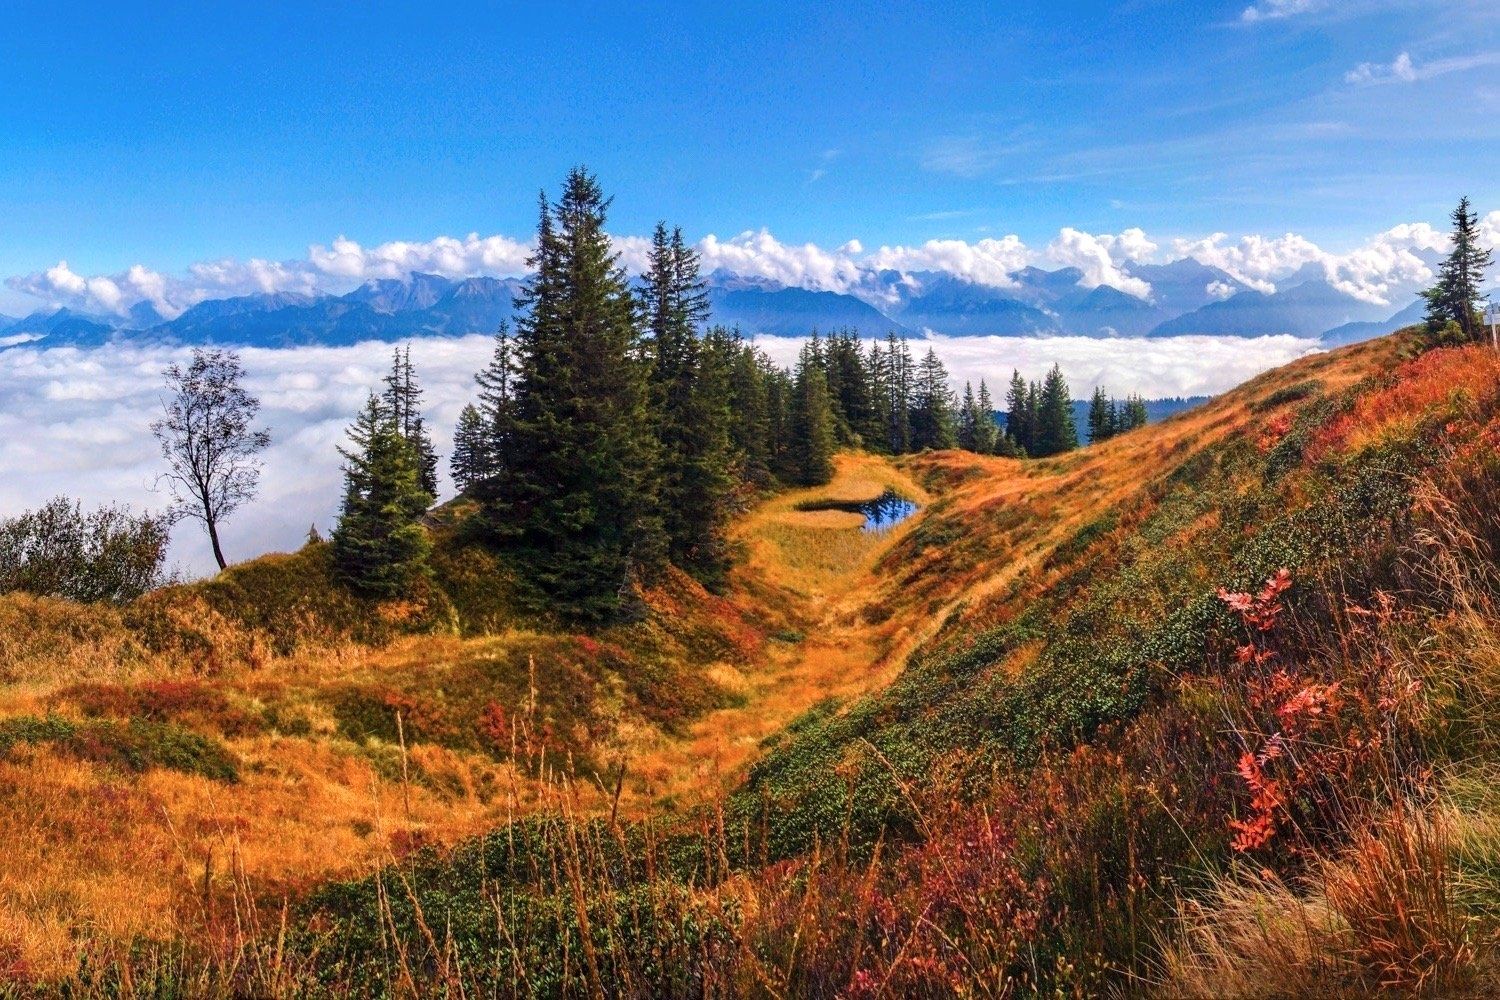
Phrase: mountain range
{"type": "Point", "coordinates": [1187, 297]}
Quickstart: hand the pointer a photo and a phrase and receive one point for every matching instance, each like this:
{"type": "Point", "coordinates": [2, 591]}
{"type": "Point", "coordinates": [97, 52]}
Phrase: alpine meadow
{"type": "Point", "coordinates": [1012, 603]}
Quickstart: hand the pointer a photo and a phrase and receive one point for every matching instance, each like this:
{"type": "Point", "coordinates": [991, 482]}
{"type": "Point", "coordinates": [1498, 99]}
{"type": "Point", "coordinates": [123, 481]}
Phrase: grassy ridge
{"type": "Point", "coordinates": [1062, 766]}
{"type": "Point", "coordinates": [1208, 707]}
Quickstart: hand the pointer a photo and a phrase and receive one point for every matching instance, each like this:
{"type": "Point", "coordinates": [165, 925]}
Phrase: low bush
{"type": "Point", "coordinates": [134, 746]}
{"type": "Point", "coordinates": [108, 554]}
{"type": "Point", "coordinates": [177, 700]}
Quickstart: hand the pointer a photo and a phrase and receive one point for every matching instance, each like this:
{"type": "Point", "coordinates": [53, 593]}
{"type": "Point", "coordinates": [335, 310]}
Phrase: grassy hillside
{"type": "Point", "coordinates": [247, 737]}
{"type": "Point", "coordinates": [1205, 709]}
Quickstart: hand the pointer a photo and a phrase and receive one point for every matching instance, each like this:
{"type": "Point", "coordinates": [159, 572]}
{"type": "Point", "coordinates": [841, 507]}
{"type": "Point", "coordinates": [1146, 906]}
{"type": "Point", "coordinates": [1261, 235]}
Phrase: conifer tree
{"type": "Point", "coordinates": [1033, 415]}
{"type": "Point", "coordinates": [469, 463]}
{"type": "Point", "coordinates": [403, 400]}
{"type": "Point", "coordinates": [574, 503]}
{"type": "Point", "coordinates": [1018, 412]}
{"type": "Point", "coordinates": [780, 435]}
{"type": "Point", "coordinates": [689, 396]}
{"type": "Point", "coordinates": [877, 375]}
{"type": "Point", "coordinates": [497, 406]}
{"type": "Point", "coordinates": [379, 546]}
{"type": "Point", "coordinates": [968, 422]}
{"type": "Point", "coordinates": [812, 431]}
{"type": "Point", "coordinates": [932, 417]}
{"type": "Point", "coordinates": [750, 426]}
{"type": "Point", "coordinates": [986, 431]}
{"type": "Point", "coordinates": [1456, 295]}
{"type": "Point", "coordinates": [1133, 414]}
{"type": "Point", "coordinates": [899, 375]}
{"type": "Point", "coordinates": [1056, 431]}
{"type": "Point", "coordinates": [1101, 417]}
{"type": "Point", "coordinates": [849, 389]}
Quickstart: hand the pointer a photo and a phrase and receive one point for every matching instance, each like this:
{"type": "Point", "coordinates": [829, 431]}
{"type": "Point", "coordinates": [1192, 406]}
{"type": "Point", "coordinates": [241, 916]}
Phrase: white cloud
{"type": "Point", "coordinates": [1255, 261]}
{"type": "Point", "coordinates": [984, 262]}
{"type": "Point", "coordinates": [1400, 69]}
{"type": "Point", "coordinates": [61, 283]}
{"type": "Point", "coordinates": [1403, 69]}
{"type": "Point", "coordinates": [445, 255]}
{"type": "Point", "coordinates": [1387, 263]}
{"type": "Point", "coordinates": [1098, 258]}
{"type": "Point", "coordinates": [756, 253]}
{"type": "Point", "coordinates": [1386, 266]}
{"type": "Point", "coordinates": [1273, 10]}
{"type": "Point", "coordinates": [1220, 289]}
{"type": "Point", "coordinates": [1489, 230]}
{"type": "Point", "coordinates": [342, 264]}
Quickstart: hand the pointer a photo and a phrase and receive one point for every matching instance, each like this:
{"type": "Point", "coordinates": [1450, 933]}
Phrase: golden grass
{"type": "Point", "coordinates": [96, 859]}
{"type": "Point", "coordinates": [815, 553]}
{"type": "Point", "coordinates": [824, 568]}
{"type": "Point", "coordinates": [1382, 914]}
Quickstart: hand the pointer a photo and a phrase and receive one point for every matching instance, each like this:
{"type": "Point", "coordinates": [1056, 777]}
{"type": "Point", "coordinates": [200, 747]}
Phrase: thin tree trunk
{"type": "Point", "coordinates": [213, 537]}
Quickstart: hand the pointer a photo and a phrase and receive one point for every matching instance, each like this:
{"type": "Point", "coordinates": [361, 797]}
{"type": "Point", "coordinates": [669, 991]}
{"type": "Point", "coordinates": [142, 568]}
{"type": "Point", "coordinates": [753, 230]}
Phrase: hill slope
{"type": "Point", "coordinates": [1061, 730]}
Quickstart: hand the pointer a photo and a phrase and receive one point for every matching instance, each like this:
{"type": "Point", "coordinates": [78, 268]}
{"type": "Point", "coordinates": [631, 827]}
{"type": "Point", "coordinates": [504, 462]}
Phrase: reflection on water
{"type": "Point", "coordinates": [885, 511]}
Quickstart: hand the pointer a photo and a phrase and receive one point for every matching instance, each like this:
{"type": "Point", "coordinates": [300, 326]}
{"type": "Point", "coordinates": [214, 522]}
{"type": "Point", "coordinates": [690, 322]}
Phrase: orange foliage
{"type": "Point", "coordinates": [1315, 737]}
{"type": "Point", "coordinates": [1419, 388]}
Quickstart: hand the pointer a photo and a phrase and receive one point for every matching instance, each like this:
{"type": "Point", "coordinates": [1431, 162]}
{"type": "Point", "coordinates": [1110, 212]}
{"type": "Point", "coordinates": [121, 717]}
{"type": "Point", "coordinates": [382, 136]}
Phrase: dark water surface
{"type": "Point", "coordinates": [881, 514]}
{"type": "Point", "coordinates": [885, 511]}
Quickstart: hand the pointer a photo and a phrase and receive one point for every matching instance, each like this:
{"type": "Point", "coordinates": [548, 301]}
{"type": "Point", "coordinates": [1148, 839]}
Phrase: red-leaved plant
{"type": "Point", "coordinates": [1308, 739]}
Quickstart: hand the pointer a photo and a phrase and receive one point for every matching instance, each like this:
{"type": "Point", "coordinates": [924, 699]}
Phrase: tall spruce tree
{"type": "Point", "coordinates": [932, 417]}
{"type": "Point", "coordinates": [403, 401]}
{"type": "Point", "coordinates": [1455, 297]}
{"type": "Point", "coordinates": [1132, 415]}
{"type": "Point", "coordinates": [380, 547]}
{"type": "Point", "coordinates": [849, 388]}
{"type": "Point", "coordinates": [749, 407]}
{"type": "Point", "coordinates": [496, 407]}
{"type": "Point", "coordinates": [469, 463]}
{"type": "Point", "coordinates": [575, 502]}
{"type": "Point", "coordinates": [1033, 414]}
{"type": "Point", "coordinates": [780, 391]}
{"type": "Point", "coordinates": [812, 423]}
{"type": "Point", "coordinates": [968, 420]}
{"type": "Point", "coordinates": [1101, 417]}
{"type": "Point", "coordinates": [899, 378]}
{"type": "Point", "coordinates": [877, 376]}
{"type": "Point", "coordinates": [986, 431]}
{"type": "Point", "coordinates": [690, 400]}
{"type": "Point", "coordinates": [1056, 431]}
{"type": "Point", "coordinates": [1018, 413]}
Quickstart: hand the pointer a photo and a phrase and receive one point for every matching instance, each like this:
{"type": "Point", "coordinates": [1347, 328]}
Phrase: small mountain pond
{"type": "Point", "coordinates": [881, 514]}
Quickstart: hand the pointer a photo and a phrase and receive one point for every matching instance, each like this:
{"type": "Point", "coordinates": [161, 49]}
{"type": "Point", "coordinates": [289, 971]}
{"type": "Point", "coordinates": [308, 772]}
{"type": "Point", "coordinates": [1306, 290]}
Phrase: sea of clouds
{"type": "Point", "coordinates": [76, 422]}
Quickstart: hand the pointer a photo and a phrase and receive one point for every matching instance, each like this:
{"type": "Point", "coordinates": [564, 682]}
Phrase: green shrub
{"type": "Point", "coordinates": [1288, 394]}
{"type": "Point", "coordinates": [135, 746]}
{"type": "Point", "coordinates": [108, 554]}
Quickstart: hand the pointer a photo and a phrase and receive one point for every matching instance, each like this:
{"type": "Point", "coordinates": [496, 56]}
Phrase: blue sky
{"type": "Point", "coordinates": [168, 134]}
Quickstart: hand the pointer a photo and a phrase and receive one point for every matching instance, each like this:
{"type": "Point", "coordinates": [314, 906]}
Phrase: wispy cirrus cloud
{"type": "Point", "coordinates": [1276, 10]}
{"type": "Point", "coordinates": [1403, 69]}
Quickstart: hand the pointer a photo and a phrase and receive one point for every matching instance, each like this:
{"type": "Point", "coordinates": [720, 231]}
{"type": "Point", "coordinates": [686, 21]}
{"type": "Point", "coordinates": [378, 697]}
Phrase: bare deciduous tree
{"type": "Point", "coordinates": [207, 439]}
